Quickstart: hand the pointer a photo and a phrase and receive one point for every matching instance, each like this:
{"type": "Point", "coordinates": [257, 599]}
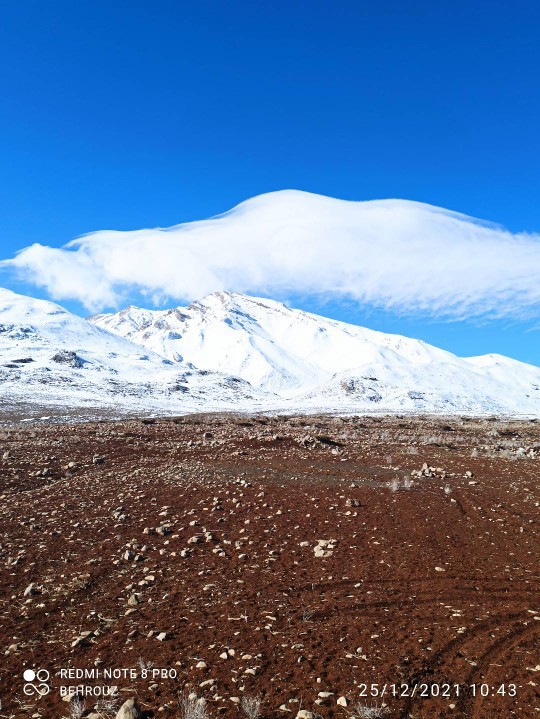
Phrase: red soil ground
{"type": "Point", "coordinates": [431, 586]}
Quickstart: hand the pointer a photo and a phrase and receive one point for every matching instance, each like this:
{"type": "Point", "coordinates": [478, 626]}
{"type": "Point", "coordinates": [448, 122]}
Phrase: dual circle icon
{"type": "Point", "coordinates": [37, 682]}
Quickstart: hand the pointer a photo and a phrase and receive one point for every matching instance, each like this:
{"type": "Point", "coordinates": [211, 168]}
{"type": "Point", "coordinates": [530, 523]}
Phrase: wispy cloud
{"type": "Point", "coordinates": [398, 255]}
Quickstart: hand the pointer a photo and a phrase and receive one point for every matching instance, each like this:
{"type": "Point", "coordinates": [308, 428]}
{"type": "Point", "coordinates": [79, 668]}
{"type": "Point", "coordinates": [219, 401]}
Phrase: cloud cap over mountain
{"type": "Point", "coordinates": [394, 254]}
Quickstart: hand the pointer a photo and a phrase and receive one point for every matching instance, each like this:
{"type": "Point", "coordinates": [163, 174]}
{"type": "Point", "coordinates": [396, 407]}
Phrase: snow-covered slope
{"type": "Point", "coordinates": [230, 351]}
{"type": "Point", "coordinates": [51, 357]}
{"type": "Point", "coordinates": [309, 361]}
{"type": "Point", "coordinates": [263, 341]}
{"type": "Point", "coordinates": [38, 324]}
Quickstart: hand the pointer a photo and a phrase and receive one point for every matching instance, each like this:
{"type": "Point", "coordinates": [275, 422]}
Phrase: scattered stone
{"type": "Point", "coordinates": [324, 547]}
{"type": "Point", "coordinates": [31, 590]}
{"type": "Point", "coordinates": [130, 710]}
{"type": "Point", "coordinates": [83, 640]}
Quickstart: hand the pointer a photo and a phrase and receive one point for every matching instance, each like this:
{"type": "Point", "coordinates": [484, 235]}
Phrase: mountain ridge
{"type": "Point", "coordinates": [229, 351]}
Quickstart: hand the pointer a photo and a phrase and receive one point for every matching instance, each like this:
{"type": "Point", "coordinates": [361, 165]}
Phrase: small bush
{"type": "Point", "coordinates": [363, 711]}
{"type": "Point", "coordinates": [192, 707]}
{"type": "Point", "coordinates": [107, 706]}
{"type": "Point", "coordinates": [251, 706]}
{"type": "Point", "coordinates": [76, 709]}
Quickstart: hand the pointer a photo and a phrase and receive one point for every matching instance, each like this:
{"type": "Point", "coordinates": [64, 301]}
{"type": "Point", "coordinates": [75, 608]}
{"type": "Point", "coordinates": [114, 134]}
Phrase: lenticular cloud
{"type": "Point", "coordinates": [398, 255]}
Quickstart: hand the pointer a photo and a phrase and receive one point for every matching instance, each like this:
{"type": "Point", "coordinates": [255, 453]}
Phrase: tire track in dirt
{"type": "Point", "coordinates": [469, 704]}
{"type": "Point", "coordinates": [440, 658]}
{"type": "Point", "coordinates": [419, 596]}
{"type": "Point", "coordinates": [480, 583]}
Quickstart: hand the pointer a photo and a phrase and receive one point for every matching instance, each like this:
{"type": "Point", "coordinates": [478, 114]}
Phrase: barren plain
{"type": "Point", "coordinates": [333, 567]}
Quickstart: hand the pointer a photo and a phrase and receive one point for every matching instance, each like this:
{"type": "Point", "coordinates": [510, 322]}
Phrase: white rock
{"type": "Point", "coordinates": [319, 552]}
{"type": "Point", "coordinates": [130, 710]}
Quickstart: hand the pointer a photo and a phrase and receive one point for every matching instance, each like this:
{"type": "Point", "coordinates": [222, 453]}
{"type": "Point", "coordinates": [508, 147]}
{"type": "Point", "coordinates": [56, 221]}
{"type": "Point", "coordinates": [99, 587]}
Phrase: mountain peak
{"type": "Point", "coordinates": [298, 356]}
{"type": "Point", "coordinates": [244, 352]}
{"type": "Point", "coordinates": [224, 301]}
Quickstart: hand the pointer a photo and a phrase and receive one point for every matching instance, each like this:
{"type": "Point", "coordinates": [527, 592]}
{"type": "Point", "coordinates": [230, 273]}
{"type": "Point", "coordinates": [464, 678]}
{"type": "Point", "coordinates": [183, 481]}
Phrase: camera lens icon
{"type": "Point", "coordinates": [37, 682]}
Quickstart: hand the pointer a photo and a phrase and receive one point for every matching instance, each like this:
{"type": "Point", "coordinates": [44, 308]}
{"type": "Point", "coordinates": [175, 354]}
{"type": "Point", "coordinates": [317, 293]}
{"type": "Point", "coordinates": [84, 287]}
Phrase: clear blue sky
{"type": "Point", "coordinates": [127, 114]}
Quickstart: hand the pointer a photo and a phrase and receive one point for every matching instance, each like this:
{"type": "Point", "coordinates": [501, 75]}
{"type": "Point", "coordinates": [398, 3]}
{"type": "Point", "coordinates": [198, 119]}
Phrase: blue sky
{"type": "Point", "coordinates": [124, 115]}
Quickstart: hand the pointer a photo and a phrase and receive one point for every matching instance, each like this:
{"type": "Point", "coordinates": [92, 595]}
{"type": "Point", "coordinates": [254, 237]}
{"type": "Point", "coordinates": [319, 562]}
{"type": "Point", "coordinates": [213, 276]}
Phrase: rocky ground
{"type": "Point", "coordinates": [331, 567]}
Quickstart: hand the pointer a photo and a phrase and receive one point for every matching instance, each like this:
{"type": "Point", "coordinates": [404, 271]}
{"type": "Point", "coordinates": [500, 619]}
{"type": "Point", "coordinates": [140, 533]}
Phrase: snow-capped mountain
{"type": "Point", "coordinates": [50, 357]}
{"type": "Point", "coordinates": [264, 342]}
{"type": "Point", "coordinates": [233, 352]}
{"type": "Point", "coordinates": [302, 360]}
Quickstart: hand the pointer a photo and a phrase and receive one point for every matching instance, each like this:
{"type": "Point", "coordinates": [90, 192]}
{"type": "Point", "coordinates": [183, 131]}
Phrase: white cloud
{"type": "Point", "coordinates": [404, 256]}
